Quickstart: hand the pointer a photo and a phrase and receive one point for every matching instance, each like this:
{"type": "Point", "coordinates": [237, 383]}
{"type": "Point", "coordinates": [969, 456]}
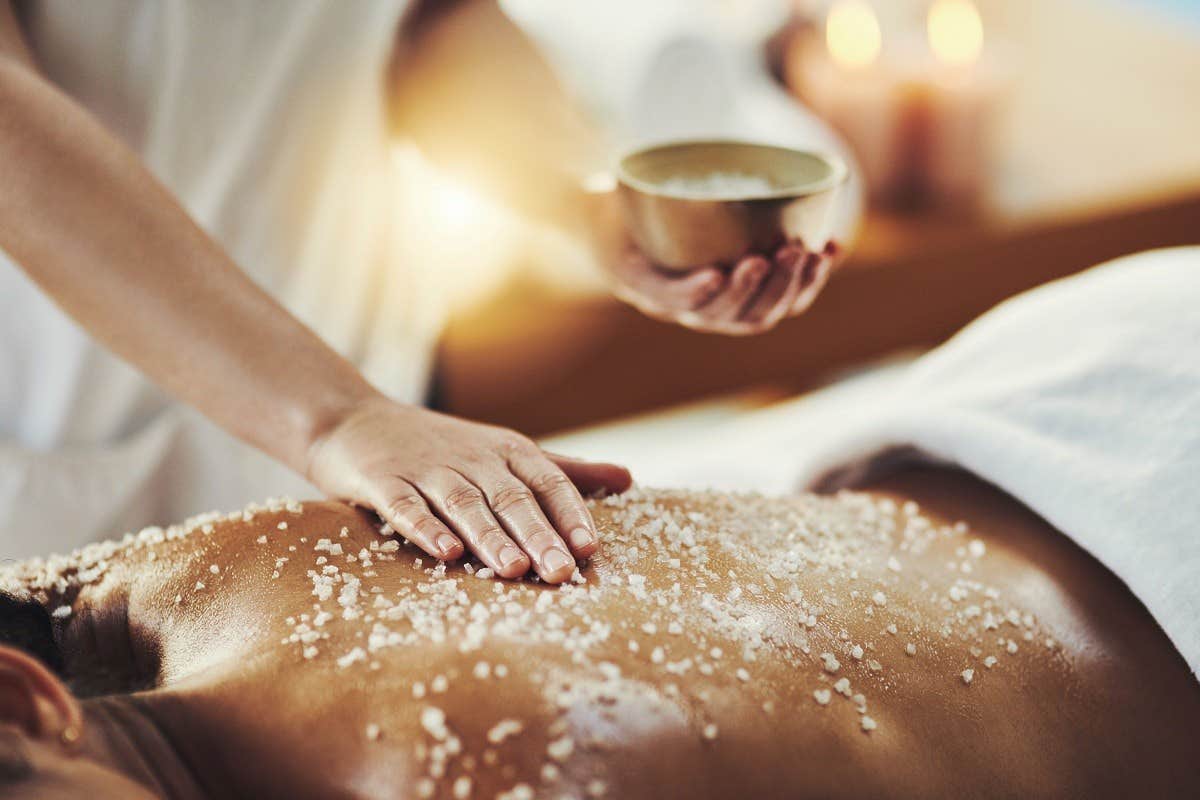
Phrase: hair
{"type": "Point", "coordinates": [26, 626]}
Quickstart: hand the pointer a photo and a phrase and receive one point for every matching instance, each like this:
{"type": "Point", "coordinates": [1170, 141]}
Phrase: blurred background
{"type": "Point", "coordinates": [1001, 143]}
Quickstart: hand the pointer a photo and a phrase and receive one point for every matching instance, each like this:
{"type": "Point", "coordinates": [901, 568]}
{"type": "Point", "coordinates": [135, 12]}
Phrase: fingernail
{"type": "Point", "coordinates": [509, 554]}
{"type": "Point", "coordinates": [556, 560]}
{"type": "Point", "coordinates": [580, 538]}
{"type": "Point", "coordinates": [447, 543]}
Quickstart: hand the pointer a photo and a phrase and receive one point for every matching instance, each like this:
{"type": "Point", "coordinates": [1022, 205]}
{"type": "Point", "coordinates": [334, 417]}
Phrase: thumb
{"type": "Point", "coordinates": [650, 289]}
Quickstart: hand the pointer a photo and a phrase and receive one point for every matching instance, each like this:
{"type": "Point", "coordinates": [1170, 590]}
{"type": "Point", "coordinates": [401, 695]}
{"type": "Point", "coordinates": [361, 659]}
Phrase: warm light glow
{"type": "Point", "coordinates": [852, 34]}
{"type": "Point", "coordinates": [955, 32]}
{"type": "Point", "coordinates": [457, 207]}
{"type": "Point", "coordinates": [466, 240]}
{"type": "Point", "coordinates": [469, 246]}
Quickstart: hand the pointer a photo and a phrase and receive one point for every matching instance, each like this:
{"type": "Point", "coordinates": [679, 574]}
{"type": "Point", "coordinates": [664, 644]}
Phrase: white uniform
{"type": "Point", "coordinates": [267, 119]}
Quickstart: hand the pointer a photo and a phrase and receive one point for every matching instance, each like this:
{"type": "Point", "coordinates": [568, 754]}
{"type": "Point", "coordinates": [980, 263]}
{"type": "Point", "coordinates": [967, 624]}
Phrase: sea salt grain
{"type": "Point", "coordinates": [462, 788]}
{"type": "Point", "coordinates": [968, 675]}
{"type": "Point", "coordinates": [831, 664]}
{"type": "Point", "coordinates": [560, 749]}
{"type": "Point", "coordinates": [504, 729]}
{"type": "Point", "coordinates": [822, 696]}
{"type": "Point", "coordinates": [433, 720]}
{"type": "Point", "coordinates": [710, 731]}
{"type": "Point", "coordinates": [355, 655]}
{"type": "Point", "coordinates": [373, 732]}
{"type": "Point", "coordinates": [910, 648]}
{"type": "Point", "coordinates": [521, 791]}
{"type": "Point", "coordinates": [717, 184]}
{"type": "Point", "coordinates": [868, 724]}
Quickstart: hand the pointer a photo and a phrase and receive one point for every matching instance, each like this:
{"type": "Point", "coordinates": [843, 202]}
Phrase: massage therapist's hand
{"type": "Point", "coordinates": [751, 297]}
{"type": "Point", "coordinates": [444, 484]}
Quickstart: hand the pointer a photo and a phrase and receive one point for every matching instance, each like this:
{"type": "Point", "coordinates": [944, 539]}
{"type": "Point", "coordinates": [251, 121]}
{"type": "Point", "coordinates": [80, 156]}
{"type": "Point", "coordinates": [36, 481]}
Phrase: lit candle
{"type": "Point", "coordinates": [916, 112]}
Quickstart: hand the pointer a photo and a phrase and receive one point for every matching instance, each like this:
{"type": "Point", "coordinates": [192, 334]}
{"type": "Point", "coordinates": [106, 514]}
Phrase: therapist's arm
{"type": "Point", "coordinates": [114, 249]}
{"type": "Point", "coordinates": [477, 96]}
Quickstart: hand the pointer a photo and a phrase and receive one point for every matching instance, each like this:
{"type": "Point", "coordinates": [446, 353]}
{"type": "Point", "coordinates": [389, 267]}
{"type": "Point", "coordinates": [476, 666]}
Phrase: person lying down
{"type": "Point", "coordinates": [928, 637]}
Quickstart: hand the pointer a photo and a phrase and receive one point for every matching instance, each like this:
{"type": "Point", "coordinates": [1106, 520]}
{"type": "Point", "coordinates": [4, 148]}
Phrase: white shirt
{"type": "Point", "coordinates": [267, 121]}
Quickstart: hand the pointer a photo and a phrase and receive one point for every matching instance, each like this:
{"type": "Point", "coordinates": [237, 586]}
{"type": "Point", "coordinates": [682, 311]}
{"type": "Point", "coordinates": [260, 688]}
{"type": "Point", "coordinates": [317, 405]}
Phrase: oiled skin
{"type": "Point", "coordinates": [1107, 712]}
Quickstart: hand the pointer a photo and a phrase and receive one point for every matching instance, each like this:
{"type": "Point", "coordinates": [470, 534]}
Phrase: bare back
{"type": "Point", "coordinates": [719, 646]}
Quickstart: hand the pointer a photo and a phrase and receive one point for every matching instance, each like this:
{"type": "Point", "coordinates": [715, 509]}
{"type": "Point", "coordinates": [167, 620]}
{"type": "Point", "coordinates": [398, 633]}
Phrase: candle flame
{"type": "Point", "coordinates": [955, 32]}
{"type": "Point", "coordinates": [852, 34]}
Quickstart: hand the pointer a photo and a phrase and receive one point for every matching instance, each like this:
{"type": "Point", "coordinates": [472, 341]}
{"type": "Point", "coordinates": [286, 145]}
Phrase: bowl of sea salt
{"type": "Point", "coordinates": [701, 203]}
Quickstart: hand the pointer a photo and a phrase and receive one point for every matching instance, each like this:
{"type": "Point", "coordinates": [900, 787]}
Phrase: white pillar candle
{"type": "Point", "coordinates": [917, 110]}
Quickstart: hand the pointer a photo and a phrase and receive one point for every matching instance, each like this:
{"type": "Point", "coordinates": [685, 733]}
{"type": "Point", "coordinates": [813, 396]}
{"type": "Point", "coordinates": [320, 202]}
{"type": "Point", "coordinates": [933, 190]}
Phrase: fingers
{"type": "Point", "coordinates": [779, 291]}
{"type": "Point", "coordinates": [592, 477]}
{"type": "Point", "coordinates": [814, 275]}
{"type": "Point", "coordinates": [662, 293]}
{"type": "Point", "coordinates": [403, 507]}
{"type": "Point", "coordinates": [799, 277]}
{"type": "Point", "coordinates": [512, 500]}
{"type": "Point", "coordinates": [754, 297]}
{"type": "Point", "coordinates": [561, 501]}
{"type": "Point", "coordinates": [744, 283]}
{"type": "Point", "coordinates": [460, 503]}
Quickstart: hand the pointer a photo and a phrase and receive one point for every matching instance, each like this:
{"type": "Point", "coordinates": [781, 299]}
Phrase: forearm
{"type": "Point", "coordinates": [478, 99]}
{"type": "Point", "coordinates": [112, 247]}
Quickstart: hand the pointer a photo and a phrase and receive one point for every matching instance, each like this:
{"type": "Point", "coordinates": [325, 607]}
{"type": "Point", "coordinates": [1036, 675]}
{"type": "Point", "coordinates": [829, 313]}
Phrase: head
{"type": "Point", "coordinates": [47, 749]}
{"type": "Point", "coordinates": [50, 744]}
